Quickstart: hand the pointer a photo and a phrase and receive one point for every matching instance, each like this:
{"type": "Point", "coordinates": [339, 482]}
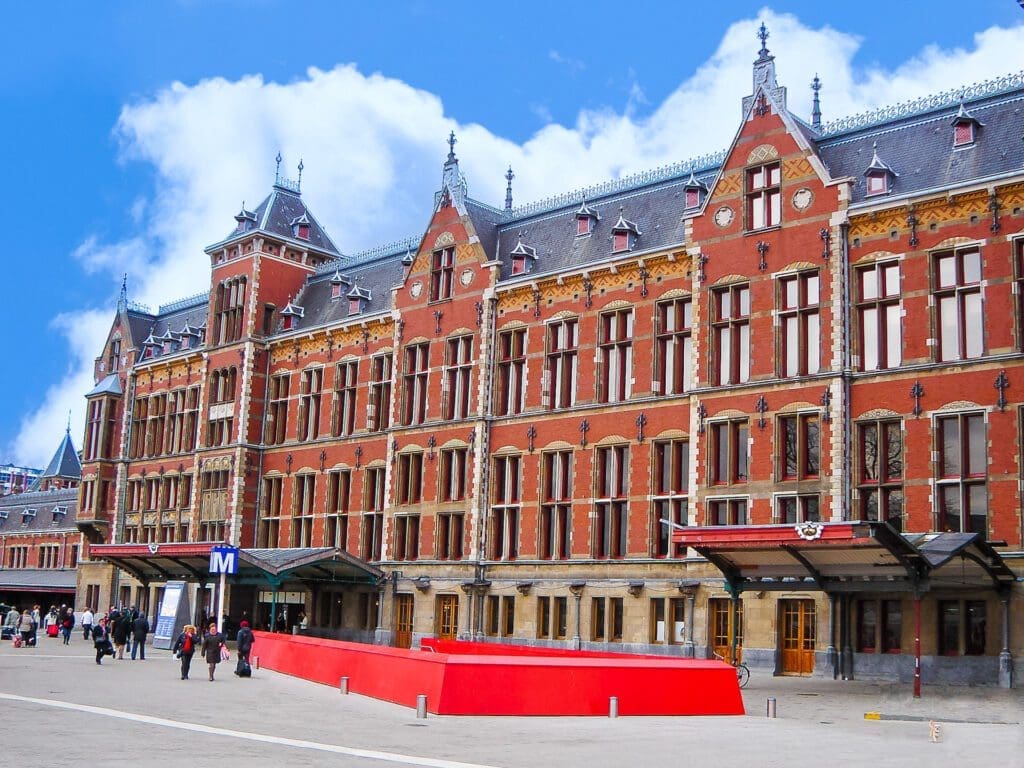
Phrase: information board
{"type": "Point", "coordinates": [174, 614]}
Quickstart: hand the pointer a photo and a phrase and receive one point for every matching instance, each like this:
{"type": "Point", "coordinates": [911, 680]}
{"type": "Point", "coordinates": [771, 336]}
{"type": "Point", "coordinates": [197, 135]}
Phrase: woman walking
{"type": "Point", "coordinates": [213, 642]}
{"type": "Point", "coordinates": [101, 640]}
{"type": "Point", "coordinates": [185, 647]}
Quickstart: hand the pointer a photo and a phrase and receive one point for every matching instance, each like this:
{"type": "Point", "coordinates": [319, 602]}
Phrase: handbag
{"type": "Point", "coordinates": [225, 654]}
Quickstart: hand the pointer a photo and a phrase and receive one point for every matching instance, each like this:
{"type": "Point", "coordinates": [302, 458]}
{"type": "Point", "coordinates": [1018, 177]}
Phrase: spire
{"type": "Point", "coordinates": [765, 84]}
{"type": "Point", "coordinates": [762, 35]}
{"type": "Point", "coordinates": [122, 300]}
{"type": "Point", "coordinates": [301, 167]}
{"type": "Point", "coordinates": [277, 169]}
{"type": "Point", "coordinates": [451, 147]}
{"type": "Point", "coordinates": [816, 109]}
{"type": "Point", "coordinates": [508, 189]}
{"type": "Point", "coordinates": [453, 184]}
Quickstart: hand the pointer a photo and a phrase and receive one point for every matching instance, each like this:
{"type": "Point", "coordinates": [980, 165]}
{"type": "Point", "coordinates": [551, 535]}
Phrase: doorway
{"type": "Point", "coordinates": [447, 617]}
{"type": "Point", "coordinates": [798, 637]}
{"type": "Point", "coordinates": [403, 621]}
{"type": "Point", "coordinates": [723, 626]}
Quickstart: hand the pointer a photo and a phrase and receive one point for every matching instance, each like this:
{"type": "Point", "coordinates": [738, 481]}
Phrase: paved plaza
{"type": "Point", "coordinates": [54, 699]}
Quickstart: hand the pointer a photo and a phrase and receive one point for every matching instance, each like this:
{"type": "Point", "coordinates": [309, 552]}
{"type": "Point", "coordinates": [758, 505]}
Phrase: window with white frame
{"type": "Point", "coordinates": [961, 491]}
{"type": "Point", "coordinates": [958, 303]}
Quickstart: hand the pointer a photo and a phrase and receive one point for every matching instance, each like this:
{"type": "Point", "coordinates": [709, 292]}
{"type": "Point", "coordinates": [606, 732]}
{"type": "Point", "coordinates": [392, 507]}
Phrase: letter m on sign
{"type": "Point", "coordinates": [224, 560]}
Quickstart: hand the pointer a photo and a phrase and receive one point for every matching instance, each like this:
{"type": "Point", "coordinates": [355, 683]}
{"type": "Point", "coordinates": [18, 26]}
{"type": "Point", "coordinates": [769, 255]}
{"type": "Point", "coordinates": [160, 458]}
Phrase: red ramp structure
{"type": "Point", "coordinates": [486, 679]}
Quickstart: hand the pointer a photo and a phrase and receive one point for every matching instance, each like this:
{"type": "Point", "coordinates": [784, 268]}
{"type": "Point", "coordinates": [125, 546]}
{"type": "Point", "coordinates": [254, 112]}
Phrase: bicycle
{"type": "Point", "coordinates": [742, 670]}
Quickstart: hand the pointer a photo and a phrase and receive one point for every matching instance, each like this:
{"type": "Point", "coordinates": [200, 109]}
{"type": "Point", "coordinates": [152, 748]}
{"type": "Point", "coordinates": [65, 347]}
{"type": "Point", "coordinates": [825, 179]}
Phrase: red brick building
{"type": "Point", "coordinates": [492, 430]}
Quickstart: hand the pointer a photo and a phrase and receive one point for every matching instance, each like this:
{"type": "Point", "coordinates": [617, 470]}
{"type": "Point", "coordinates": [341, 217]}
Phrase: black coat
{"type": "Point", "coordinates": [121, 629]}
{"type": "Point", "coordinates": [245, 639]}
{"type": "Point", "coordinates": [140, 628]}
{"type": "Point", "coordinates": [212, 642]}
{"type": "Point", "coordinates": [100, 636]}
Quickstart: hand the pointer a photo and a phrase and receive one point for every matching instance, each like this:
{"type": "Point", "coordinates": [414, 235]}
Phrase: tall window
{"type": "Point", "coordinates": [729, 458]}
{"type": "Point", "coordinates": [371, 535]}
{"type": "Point", "coordinates": [675, 347]}
{"type": "Point", "coordinates": [881, 472]}
{"type": "Point", "coordinates": [140, 412]}
{"type": "Point", "coordinates": [1018, 260]}
{"type": "Point", "coordinates": [764, 199]}
{"type": "Point", "coordinates": [878, 308]}
{"type": "Point", "coordinates": [556, 505]}
{"type": "Point", "coordinates": [114, 359]}
{"type": "Point", "coordinates": [616, 356]}
{"type": "Point", "coordinates": [728, 512]}
{"type": "Point", "coordinates": [380, 393]}
{"type": "Point", "coordinates": [442, 274]}
{"type": "Point", "coordinates": [343, 420]}
{"type": "Point", "coordinates": [879, 626]}
{"type": "Point", "coordinates": [606, 619]}
{"type": "Point", "coordinates": [222, 407]}
{"type": "Point", "coordinates": [504, 529]}
{"type": "Point", "coordinates": [560, 373]}
{"type": "Point", "coordinates": [415, 383]}
{"type": "Point", "coordinates": [611, 502]}
{"type": "Point", "coordinates": [339, 487]}
{"type": "Point", "coordinates": [962, 626]}
{"type": "Point", "coordinates": [511, 372]}
{"type": "Point", "coordinates": [277, 412]}
{"type": "Point", "coordinates": [960, 485]}
{"type": "Point", "coordinates": [800, 324]}
{"type": "Point", "coordinates": [457, 376]}
{"type": "Point", "coordinates": [310, 393]}
{"type": "Point", "coordinates": [229, 310]}
{"type": "Point", "coordinates": [454, 478]}
{"type": "Point", "coordinates": [302, 510]}
{"type": "Point", "coordinates": [668, 620]}
{"type": "Point", "coordinates": [407, 537]}
{"type": "Point", "coordinates": [957, 278]}
{"type": "Point", "coordinates": [670, 487]}
{"type": "Point", "coordinates": [213, 505]}
{"type": "Point", "coordinates": [731, 334]}
{"type": "Point", "coordinates": [543, 617]}
{"type": "Point", "coordinates": [797, 508]}
{"type": "Point", "coordinates": [410, 478]}
{"type": "Point", "coordinates": [500, 618]}
{"type": "Point", "coordinates": [450, 535]}
{"type": "Point", "coordinates": [155, 425]}
{"type": "Point", "coordinates": [102, 420]}
{"type": "Point", "coordinates": [800, 450]}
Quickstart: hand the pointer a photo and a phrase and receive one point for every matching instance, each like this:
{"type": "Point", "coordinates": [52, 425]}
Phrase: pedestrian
{"type": "Point", "coordinates": [119, 629]}
{"type": "Point", "coordinates": [213, 642]}
{"type": "Point", "coordinates": [27, 628]}
{"type": "Point", "coordinates": [101, 640]}
{"type": "Point", "coordinates": [67, 624]}
{"type": "Point", "coordinates": [140, 628]}
{"type": "Point", "coordinates": [245, 640]}
{"type": "Point", "coordinates": [185, 647]}
{"type": "Point", "coordinates": [11, 621]}
{"type": "Point", "coordinates": [87, 619]}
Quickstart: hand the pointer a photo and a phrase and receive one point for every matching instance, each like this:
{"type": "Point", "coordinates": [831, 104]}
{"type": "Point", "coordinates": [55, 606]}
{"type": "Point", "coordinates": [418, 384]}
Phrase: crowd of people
{"type": "Point", "coordinates": [123, 631]}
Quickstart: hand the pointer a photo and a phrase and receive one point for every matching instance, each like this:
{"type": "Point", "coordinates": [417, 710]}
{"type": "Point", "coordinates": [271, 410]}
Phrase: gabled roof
{"type": "Point", "coordinates": [110, 385]}
{"type": "Point", "coordinates": [65, 461]}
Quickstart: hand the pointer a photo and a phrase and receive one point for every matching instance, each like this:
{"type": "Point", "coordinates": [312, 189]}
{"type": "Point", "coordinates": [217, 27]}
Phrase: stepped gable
{"type": "Point", "coordinates": [39, 511]}
{"type": "Point", "coordinates": [920, 148]}
{"type": "Point", "coordinates": [656, 208]}
{"type": "Point", "coordinates": [377, 271]}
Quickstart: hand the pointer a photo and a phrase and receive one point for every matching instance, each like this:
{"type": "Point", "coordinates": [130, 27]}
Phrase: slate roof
{"type": "Point", "coordinates": [65, 461]}
{"type": "Point", "coordinates": [110, 385]}
{"type": "Point", "coordinates": [14, 505]}
{"type": "Point", "coordinates": [169, 321]}
{"type": "Point", "coordinates": [38, 579]}
{"type": "Point", "coordinates": [919, 148]}
{"type": "Point", "coordinates": [276, 214]}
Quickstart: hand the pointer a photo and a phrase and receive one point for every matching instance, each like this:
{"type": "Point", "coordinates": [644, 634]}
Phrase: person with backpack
{"type": "Point", "coordinates": [185, 647]}
{"type": "Point", "coordinates": [245, 640]}
{"type": "Point", "coordinates": [67, 623]}
{"type": "Point", "coordinates": [213, 647]}
{"type": "Point", "coordinates": [119, 629]}
{"type": "Point", "coordinates": [140, 629]}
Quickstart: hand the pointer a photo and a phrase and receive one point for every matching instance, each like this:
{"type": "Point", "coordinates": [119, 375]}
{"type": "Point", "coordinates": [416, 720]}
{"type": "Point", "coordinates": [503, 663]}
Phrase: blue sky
{"type": "Point", "coordinates": [135, 130]}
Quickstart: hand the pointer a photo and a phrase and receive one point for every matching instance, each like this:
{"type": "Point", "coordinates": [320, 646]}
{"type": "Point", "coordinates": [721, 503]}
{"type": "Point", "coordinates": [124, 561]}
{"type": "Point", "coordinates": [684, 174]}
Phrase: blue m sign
{"type": "Point", "coordinates": [224, 560]}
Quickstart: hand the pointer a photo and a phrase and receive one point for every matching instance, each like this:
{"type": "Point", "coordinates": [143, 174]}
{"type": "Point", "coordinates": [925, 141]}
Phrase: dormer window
{"type": "Point", "coordinates": [291, 315]}
{"type": "Point", "coordinates": [878, 176]}
{"type": "Point", "coordinates": [58, 514]}
{"type": "Point", "coordinates": [3, 514]}
{"type": "Point", "coordinates": [965, 128]}
{"type": "Point", "coordinates": [303, 231]}
{"type": "Point", "coordinates": [624, 234]}
{"type": "Point", "coordinates": [358, 298]}
{"type": "Point", "coordinates": [878, 183]}
{"type": "Point", "coordinates": [300, 227]}
{"type": "Point", "coordinates": [336, 291]}
{"type": "Point", "coordinates": [523, 257]}
{"type": "Point", "coordinates": [586, 218]}
{"type": "Point", "coordinates": [244, 220]}
{"type": "Point", "coordinates": [27, 515]}
{"type": "Point", "coordinates": [693, 192]}
{"type": "Point", "coordinates": [338, 284]}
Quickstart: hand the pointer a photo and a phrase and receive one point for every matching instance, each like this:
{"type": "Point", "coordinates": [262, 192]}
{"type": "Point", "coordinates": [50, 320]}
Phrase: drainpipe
{"type": "Point", "coordinates": [1005, 657]}
{"type": "Point", "coordinates": [845, 409]}
{"type": "Point", "coordinates": [259, 471]}
{"type": "Point", "coordinates": [833, 659]}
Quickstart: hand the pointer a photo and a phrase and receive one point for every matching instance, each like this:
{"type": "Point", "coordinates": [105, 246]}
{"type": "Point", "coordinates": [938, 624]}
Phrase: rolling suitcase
{"type": "Point", "coordinates": [243, 669]}
{"type": "Point", "coordinates": [51, 631]}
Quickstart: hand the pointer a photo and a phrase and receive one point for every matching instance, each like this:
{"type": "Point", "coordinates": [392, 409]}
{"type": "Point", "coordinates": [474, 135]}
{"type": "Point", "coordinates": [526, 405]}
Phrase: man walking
{"type": "Point", "coordinates": [140, 629]}
{"type": "Point", "coordinates": [67, 623]}
{"type": "Point", "coordinates": [87, 617]}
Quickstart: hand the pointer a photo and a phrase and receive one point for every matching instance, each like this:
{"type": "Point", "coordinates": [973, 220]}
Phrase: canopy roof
{"type": "Point", "coordinates": [846, 557]}
{"type": "Point", "coordinates": [163, 562]}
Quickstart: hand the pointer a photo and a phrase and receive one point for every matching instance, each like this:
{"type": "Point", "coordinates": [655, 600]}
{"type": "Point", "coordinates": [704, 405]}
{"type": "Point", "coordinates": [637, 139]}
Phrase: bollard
{"type": "Point", "coordinates": [421, 706]}
{"type": "Point", "coordinates": [771, 711]}
{"type": "Point", "coordinates": [613, 706]}
{"type": "Point", "coordinates": [255, 662]}
{"type": "Point", "coordinates": [343, 685]}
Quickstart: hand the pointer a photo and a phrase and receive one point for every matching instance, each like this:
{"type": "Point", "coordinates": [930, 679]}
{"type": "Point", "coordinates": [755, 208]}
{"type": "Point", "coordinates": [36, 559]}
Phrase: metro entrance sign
{"type": "Point", "coordinates": [224, 560]}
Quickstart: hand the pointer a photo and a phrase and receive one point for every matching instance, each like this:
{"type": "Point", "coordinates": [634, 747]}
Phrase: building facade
{"type": "Point", "coordinates": [506, 418]}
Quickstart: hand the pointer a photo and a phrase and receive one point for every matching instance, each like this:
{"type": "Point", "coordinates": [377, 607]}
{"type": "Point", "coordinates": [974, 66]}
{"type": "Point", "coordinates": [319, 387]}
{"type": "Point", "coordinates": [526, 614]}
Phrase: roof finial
{"type": "Point", "coordinates": [762, 35]}
{"type": "Point", "coordinates": [508, 189]}
{"type": "Point", "coordinates": [451, 147]}
{"type": "Point", "coordinates": [816, 111]}
{"type": "Point", "coordinates": [301, 166]}
{"type": "Point", "coordinates": [122, 300]}
{"type": "Point", "coordinates": [277, 170]}
{"type": "Point", "coordinates": [68, 429]}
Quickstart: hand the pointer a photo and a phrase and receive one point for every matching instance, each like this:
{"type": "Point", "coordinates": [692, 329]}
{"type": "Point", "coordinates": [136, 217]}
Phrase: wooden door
{"type": "Point", "coordinates": [721, 628]}
{"type": "Point", "coordinates": [403, 621]}
{"type": "Point", "coordinates": [447, 616]}
{"type": "Point", "coordinates": [798, 636]}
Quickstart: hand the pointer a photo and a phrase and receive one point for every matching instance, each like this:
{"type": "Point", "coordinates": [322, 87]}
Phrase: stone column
{"type": "Point", "coordinates": [1005, 657]}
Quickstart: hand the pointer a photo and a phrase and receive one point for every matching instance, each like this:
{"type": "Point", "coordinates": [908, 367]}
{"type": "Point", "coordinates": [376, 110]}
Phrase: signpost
{"type": "Point", "coordinates": [174, 614]}
{"type": "Point", "coordinates": [223, 560]}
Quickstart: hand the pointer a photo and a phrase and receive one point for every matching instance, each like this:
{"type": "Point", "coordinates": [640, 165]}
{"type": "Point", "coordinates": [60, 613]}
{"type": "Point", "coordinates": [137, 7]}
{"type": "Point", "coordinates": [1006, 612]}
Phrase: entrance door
{"type": "Point", "coordinates": [403, 621]}
{"type": "Point", "coordinates": [447, 616]}
{"type": "Point", "coordinates": [720, 622]}
{"type": "Point", "coordinates": [798, 636]}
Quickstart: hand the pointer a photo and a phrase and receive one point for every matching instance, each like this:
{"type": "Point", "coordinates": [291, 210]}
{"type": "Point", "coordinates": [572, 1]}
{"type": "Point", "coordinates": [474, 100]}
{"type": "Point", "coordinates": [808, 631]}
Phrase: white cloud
{"type": "Point", "coordinates": [373, 148]}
